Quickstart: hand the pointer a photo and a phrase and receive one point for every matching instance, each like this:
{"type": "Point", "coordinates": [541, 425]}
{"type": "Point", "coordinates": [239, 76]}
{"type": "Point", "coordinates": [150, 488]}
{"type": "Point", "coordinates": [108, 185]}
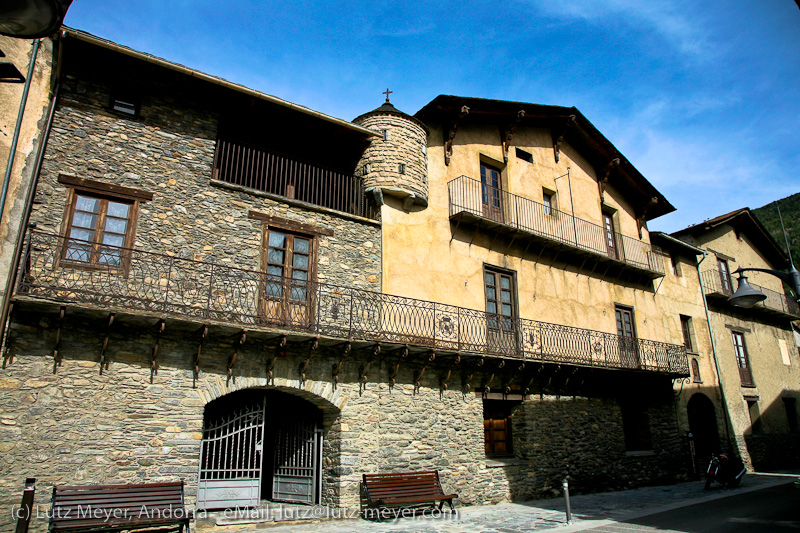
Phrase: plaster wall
{"type": "Point", "coordinates": [425, 258]}
{"type": "Point", "coordinates": [19, 53]}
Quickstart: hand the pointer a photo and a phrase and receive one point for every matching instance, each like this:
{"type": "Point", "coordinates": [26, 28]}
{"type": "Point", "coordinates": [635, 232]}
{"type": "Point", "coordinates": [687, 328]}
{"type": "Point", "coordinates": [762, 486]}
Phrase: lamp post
{"type": "Point", "coordinates": [32, 19]}
{"type": "Point", "coordinates": [746, 296]}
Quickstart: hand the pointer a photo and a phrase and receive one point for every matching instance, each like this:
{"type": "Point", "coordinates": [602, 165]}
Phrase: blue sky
{"type": "Point", "coordinates": [702, 97]}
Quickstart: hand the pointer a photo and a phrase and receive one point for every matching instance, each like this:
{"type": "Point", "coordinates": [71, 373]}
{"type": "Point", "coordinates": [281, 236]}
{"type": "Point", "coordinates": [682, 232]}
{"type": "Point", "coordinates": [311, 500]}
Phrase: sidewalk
{"type": "Point", "coordinates": [589, 511]}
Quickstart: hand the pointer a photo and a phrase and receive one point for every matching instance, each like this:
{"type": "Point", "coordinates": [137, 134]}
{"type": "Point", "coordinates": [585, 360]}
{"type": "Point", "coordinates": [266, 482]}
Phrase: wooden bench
{"type": "Point", "coordinates": [152, 506]}
{"type": "Point", "coordinates": [406, 489]}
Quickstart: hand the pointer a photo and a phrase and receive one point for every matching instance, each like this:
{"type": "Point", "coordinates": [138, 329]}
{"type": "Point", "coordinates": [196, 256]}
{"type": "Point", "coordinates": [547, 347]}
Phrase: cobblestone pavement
{"type": "Point", "coordinates": [589, 511]}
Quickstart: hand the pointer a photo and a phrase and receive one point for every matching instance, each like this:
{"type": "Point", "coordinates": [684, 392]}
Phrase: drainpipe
{"type": "Point", "coordinates": [15, 138]}
{"type": "Point", "coordinates": [725, 413]}
{"type": "Point", "coordinates": [15, 259]}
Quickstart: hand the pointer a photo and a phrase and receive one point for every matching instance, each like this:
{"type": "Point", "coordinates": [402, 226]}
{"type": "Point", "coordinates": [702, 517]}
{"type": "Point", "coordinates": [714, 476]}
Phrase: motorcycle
{"type": "Point", "coordinates": [724, 470]}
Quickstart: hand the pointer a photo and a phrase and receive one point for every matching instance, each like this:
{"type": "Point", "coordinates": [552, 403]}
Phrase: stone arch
{"type": "Point", "coordinates": [703, 426]}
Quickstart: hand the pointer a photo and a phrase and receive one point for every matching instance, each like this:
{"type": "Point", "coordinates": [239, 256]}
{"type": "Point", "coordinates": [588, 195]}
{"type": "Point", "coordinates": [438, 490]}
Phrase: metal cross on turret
{"type": "Point", "coordinates": [387, 92]}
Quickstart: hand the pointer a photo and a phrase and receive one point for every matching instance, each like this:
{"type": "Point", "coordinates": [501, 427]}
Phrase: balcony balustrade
{"type": "Point", "coordinates": [473, 200]}
{"type": "Point", "coordinates": [775, 302]}
{"type": "Point", "coordinates": [281, 175]}
{"type": "Point", "coordinates": [199, 291]}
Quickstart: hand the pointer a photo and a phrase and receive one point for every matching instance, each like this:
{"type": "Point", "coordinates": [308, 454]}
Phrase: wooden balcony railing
{"type": "Point", "coordinates": [472, 197]}
{"type": "Point", "coordinates": [201, 291]}
{"type": "Point", "coordinates": [263, 170]}
{"type": "Point", "coordinates": [776, 301]}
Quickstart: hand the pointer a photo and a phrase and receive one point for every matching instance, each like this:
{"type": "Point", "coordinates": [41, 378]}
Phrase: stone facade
{"type": "Point", "coordinates": [405, 144]}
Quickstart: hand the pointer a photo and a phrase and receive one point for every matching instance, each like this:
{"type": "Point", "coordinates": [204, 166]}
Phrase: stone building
{"type": "Point", "coordinates": [759, 379]}
{"type": "Point", "coordinates": [220, 286]}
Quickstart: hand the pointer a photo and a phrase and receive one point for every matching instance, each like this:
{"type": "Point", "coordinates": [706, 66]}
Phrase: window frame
{"type": "Point", "coordinates": [503, 408]}
{"type": "Point", "coordinates": [688, 334]}
{"type": "Point", "coordinates": [549, 202]}
{"type": "Point", "coordinates": [696, 377]}
{"type": "Point", "coordinates": [724, 269]}
{"type": "Point", "coordinates": [500, 317]}
{"type": "Point", "coordinates": [104, 192]}
{"type": "Point", "coordinates": [742, 359]}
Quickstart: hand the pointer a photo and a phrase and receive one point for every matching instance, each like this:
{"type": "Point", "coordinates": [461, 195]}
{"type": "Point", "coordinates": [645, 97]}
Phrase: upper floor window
{"type": "Point", "coordinates": [675, 263]}
{"type": "Point", "coordinates": [525, 156]}
{"type": "Point", "coordinates": [99, 222]}
{"type": "Point", "coordinates": [491, 196]}
{"type": "Point", "coordinates": [742, 359]}
{"type": "Point", "coordinates": [610, 234]}
{"type": "Point", "coordinates": [548, 201]}
{"type": "Point", "coordinates": [126, 101]}
{"type": "Point", "coordinates": [288, 256]}
{"type": "Point", "coordinates": [500, 295]}
{"type": "Point", "coordinates": [724, 275]}
{"type": "Point", "coordinates": [686, 328]}
{"type": "Point", "coordinates": [696, 371]}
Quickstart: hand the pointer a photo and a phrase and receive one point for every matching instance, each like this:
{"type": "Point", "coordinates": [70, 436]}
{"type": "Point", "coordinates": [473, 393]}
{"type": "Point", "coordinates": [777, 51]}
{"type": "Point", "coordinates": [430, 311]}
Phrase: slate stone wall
{"type": "Point", "coordinates": [169, 151]}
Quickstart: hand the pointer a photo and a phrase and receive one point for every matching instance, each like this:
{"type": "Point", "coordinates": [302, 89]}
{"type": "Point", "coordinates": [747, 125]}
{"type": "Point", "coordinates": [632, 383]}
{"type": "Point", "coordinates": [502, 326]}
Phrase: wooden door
{"type": "Point", "coordinates": [491, 194]}
{"type": "Point", "coordinates": [724, 276]}
{"type": "Point", "coordinates": [610, 235]}
{"type": "Point", "coordinates": [626, 332]}
{"type": "Point", "coordinates": [288, 295]}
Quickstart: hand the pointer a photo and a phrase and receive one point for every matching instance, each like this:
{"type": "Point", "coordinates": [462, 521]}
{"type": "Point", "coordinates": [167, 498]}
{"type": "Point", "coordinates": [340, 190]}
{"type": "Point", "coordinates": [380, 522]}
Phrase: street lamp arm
{"type": "Point", "coordinates": [785, 276]}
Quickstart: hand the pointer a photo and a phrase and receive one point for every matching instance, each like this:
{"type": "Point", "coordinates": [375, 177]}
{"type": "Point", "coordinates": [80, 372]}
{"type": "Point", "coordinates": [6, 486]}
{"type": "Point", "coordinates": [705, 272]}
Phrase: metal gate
{"type": "Point", "coordinates": [298, 452]}
{"type": "Point", "coordinates": [231, 459]}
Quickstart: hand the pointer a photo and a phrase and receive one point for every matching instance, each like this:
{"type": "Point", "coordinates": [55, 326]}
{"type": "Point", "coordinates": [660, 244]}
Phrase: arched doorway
{"type": "Point", "coordinates": [703, 426]}
{"type": "Point", "coordinates": [258, 445]}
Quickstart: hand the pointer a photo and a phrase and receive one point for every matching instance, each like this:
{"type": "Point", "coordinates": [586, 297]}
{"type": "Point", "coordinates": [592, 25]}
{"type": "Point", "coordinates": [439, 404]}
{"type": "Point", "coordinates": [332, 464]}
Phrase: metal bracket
{"type": "Point", "coordinates": [402, 353]}
{"type": "Point", "coordinates": [346, 347]}
{"type": "Point", "coordinates": [196, 366]}
{"type": "Point", "coordinates": [154, 355]}
{"type": "Point", "coordinates": [313, 344]}
{"type": "Point", "coordinates": [57, 356]}
{"type": "Point", "coordinates": [444, 379]}
{"type": "Point", "coordinates": [232, 360]}
{"type": "Point", "coordinates": [103, 362]}
{"type": "Point", "coordinates": [363, 370]}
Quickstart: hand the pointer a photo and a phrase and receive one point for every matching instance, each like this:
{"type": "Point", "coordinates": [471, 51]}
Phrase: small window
{"type": "Point", "coordinates": [742, 359]}
{"type": "Point", "coordinates": [525, 156]}
{"type": "Point", "coordinates": [696, 371]}
{"type": "Point", "coordinates": [790, 406]}
{"type": "Point", "coordinates": [401, 168]}
{"type": "Point", "coordinates": [126, 101]}
{"type": "Point", "coordinates": [636, 426]}
{"type": "Point", "coordinates": [365, 169]}
{"type": "Point", "coordinates": [497, 427]}
{"type": "Point", "coordinates": [385, 134]}
{"type": "Point", "coordinates": [548, 202]}
{"type": "Point", "coordinates": [724, 276]}
{"type": "Point", "coordinates": [686, 328]}
{"type": "Point", "coordinates": [675, 262]}
{"type": "Point", "coordinates": [755, 416]}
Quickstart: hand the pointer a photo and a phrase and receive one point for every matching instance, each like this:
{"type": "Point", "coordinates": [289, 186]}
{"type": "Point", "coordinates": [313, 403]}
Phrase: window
{"type": "Point", "coordinates": [724, 276]}
{"type": "Point", "coordinates": [742, 359]}
{"type": "Point", "coordinates": [547, 201]}
{"type": "Point", "coordinates": [490, 193]}
{"type": "Point", "coordinates": [686, 328]}
{"type": "Point", "coordinates": [790, 406]}
{"type": "Point", "coordinates": [99, 222]}
{"type": "Point", "coordinates": [610, 234]}
{"type": "Point", "coordinates": [525, 156]}
{"type": "Point", "coordinates": [385, 134]}
{"type": "Point", "coordinates": [401, 168]}
{"type": "Point", "coordinates": [288, 256]}
{"type": "Point", "coordinates": [675, 262]}
{"type": "Point", "coordinates": [497, 427]}
{"type": "Point", "coordinates": [755, 415]}
{"type": "Point", "coordinates": [500, 295]}
{"type": "Point", "coordinates": [365, 169]}
{"type": "Point", "coordinates": [696, 371]}
{"type": "Point", "coordinates": [636, 426]}
{"type": "Point", "coordinates": [126, 101]}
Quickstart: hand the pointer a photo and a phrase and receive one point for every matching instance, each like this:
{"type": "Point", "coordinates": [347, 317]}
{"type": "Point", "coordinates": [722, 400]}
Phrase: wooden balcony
{"type": "Point", "coordinates": [167, 286]}
{"type": "Point", "coordinates": [263, 170]}
{"type": "Point", "coordinates": [502, 212]}
{"type": "Point", "coordinates": [776, 304]}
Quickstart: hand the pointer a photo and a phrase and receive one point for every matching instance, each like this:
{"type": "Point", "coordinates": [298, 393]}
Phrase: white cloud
{"type": "Point", "coordinates": [670, 19]}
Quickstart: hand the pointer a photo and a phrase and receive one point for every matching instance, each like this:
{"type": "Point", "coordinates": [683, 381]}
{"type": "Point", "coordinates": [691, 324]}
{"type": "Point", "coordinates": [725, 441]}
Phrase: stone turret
{"type": "Point", "coordinates": [396, 163]}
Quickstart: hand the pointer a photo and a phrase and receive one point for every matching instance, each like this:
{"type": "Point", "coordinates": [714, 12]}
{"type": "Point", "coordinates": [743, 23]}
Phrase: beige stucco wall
{"type": "Point", "coordinates": [18, 52]}
{"type": "Point", "coordinates": [450, 270]}
{"type": "Point", "coordinates": [763, 335]}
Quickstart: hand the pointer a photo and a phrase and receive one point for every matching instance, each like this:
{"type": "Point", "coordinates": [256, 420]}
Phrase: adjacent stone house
{"type": "Point", "coordinates": [223, 287]}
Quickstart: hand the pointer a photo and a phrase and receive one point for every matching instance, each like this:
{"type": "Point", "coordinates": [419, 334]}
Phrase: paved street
{"type": "Point", "coordinates": [762, 503]}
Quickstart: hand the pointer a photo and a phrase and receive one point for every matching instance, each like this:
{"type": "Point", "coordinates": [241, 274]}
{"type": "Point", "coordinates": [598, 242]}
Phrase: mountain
{"type": "Point", "coordinates": [790, 210]}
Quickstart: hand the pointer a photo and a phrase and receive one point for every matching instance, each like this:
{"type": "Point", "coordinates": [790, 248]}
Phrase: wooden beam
{"type": "Point", "coordinates": [402, 353]}
{"type": "Point", "coordinates": [450, 134]}
{"type": "Point", "coordinates": [346, 347]}
{"type": "Point", "coordinates": [232, 359]}
{"type": "Point", "coordinates": [196, 366]}
{"type": "Point", "coordinates": [508, 133]}
{"type": "Point", "coordinates": [313, 344]}
{"type": "Point", "coordinates": [559, 133]}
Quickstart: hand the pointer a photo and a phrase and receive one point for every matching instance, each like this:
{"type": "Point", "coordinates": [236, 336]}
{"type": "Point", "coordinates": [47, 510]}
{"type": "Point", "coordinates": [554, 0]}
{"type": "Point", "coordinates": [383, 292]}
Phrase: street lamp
{"type": "Point", "coordinates": [746, 296]}
{"type": "Point", "coordinates": [31, 19]}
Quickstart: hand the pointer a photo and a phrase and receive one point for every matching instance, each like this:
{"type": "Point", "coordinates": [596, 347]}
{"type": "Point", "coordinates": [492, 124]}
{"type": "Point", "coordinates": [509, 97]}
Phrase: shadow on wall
{"type": "Point", "coordinates": [773, 438]}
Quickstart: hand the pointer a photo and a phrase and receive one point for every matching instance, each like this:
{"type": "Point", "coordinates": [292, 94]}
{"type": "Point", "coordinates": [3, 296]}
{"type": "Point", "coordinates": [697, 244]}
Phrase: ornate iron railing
{"type": "Point", "coordinates": [712, 282]}
{"type": "Point", "coordinates": [467, 195]}
{"type": "Point", "coordinates": [169, 285]}
{"type": "Point", "coordinates": [264, 170]}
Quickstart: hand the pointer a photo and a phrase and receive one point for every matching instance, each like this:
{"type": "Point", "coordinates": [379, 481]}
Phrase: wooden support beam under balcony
{"type": "Point", "coordinates": [523, 220]}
